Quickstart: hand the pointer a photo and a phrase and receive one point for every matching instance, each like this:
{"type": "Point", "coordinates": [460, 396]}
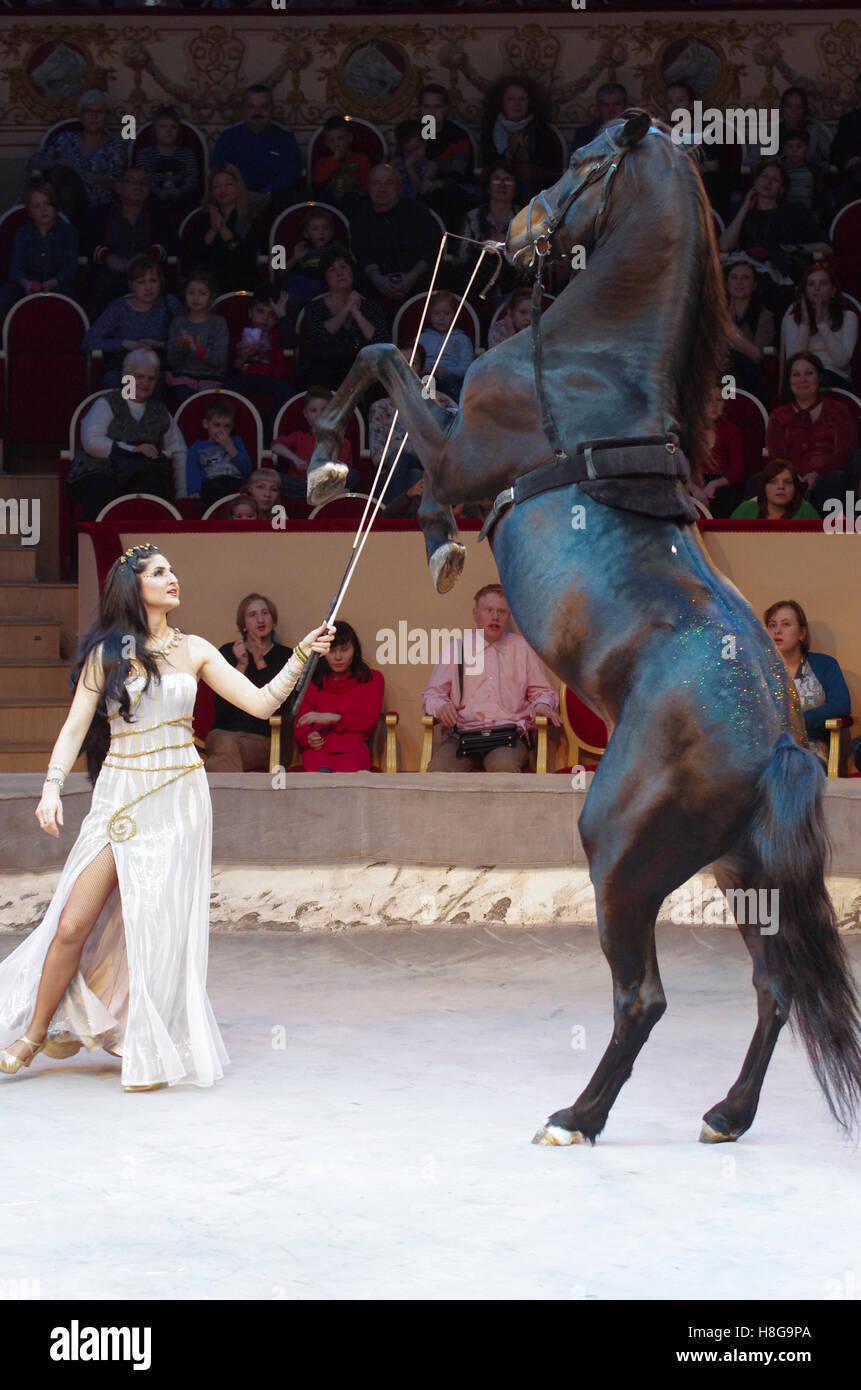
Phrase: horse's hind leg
{"type": "Point", "coordinates": [734, 1114]}
{"type": "Point", "coordinates": [445, 554]}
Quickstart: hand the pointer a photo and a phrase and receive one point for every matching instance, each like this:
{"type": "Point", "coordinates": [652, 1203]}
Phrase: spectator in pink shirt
{"type": "Point", "coordinates": [504, 684]}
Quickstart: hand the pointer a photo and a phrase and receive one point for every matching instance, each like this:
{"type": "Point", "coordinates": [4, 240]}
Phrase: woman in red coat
{"type": "Point", "coordinates": [341, 707]}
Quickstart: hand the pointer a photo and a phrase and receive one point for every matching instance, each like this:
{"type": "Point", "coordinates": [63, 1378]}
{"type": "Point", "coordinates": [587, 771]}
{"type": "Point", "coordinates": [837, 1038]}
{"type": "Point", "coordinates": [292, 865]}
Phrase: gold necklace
{"type": "Point", "coordinates": [169, 646]}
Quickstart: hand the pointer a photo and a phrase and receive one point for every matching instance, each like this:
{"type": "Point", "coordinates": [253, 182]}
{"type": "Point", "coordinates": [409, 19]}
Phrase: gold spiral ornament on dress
{"type": "Point", "coordinates": [121, 826]}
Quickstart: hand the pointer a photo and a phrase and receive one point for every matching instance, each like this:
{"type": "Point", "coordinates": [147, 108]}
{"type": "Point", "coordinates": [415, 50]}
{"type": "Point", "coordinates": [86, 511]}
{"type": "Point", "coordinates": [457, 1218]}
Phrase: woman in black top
{"type": "Point", "coordinates": [766, 222]}
{"type": "Point", "coordinates": [336, 325]}
{"type": "Point", "coordinates": [228, 239]}
{"type": "Point", "coordinates": [237, 742]}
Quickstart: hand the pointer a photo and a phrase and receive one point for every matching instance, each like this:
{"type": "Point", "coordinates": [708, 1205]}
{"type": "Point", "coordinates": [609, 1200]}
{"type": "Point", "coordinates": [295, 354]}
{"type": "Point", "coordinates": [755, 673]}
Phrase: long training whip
{"type": "Point", "coordinates": [366, 521]}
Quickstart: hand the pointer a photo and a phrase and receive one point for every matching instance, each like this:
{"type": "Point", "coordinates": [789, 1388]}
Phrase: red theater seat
{"type": "Point", "coordinates": [585, 731]}
{"type": "Point", "coordinates": [248, 425]}
{"type": "Point", "coordinates": [368, 139]}
{"type": "Point", "coordinates": [290, 418]}
{"type": "Point", "coordinates": [139, 506]}
{"type": "Point", "coordinates": [408, 318]}
{"type": "Point", "coordinates": [190, 136]}
{"type": "Point", "coordinates": [287, 229]}
{"type": "Point", "coordinates": [751, 417]}
{"type": "Point", "coordinates": [45, 372]}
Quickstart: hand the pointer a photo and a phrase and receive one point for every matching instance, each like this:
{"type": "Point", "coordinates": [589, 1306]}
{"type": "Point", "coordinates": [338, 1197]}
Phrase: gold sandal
{"type": "Point", "coordinates": [10, 1064]}
{"type": "Point", "coordinates": [156, 1086]}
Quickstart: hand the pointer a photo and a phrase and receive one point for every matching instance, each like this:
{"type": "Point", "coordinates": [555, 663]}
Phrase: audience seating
{"type": "Point", "coordinates": [537, 752]}
{"type": "Point", "coordinates": [349, 506]}
{"type": "Point", "coordinates": [190, 135]}
{"type": "Point", "coordinates": [585, 731]}
{"type": "Point", "coordinates": [217, 511]}
{"type": "Point", "coordinates": [248, 425]}
{"type": "Point", "coordinates": [408, 318]}
{"type": "Point", "coordinates": [849, 399]}
{"type": "Point", "coordinates": [44, 373]}
{"type": "Point", "coordinates": [751, 417]}
{"type": "Point", "coordinates": [286, 230]}
{"type": "Point", "coordinates": [546, 301]}
{"type": "Point", "coordinates": [368, 139]}
{"type": "Point", "coordinates": [203, 719]}
{"type": "Point", "coordinates": [139, 506]}
{"type": "Point", "coordinates": [837, 744]}
{"type": "Point", "coordinates": [845, 237]}
{"type": "Point", "coordinates": [290, 417]}
{"type": "Point", "coordinates": [69, 518]}
{"type": "Point", "coordinates": [387, 724]}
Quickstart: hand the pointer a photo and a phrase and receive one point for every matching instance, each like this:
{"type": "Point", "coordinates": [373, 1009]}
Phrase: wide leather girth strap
{"type": "Point", "coordinates": [639, 475]}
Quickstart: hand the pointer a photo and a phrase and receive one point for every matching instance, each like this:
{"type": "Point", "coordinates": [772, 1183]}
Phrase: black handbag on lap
{"type": "Point", "coordinates": [476, 743]}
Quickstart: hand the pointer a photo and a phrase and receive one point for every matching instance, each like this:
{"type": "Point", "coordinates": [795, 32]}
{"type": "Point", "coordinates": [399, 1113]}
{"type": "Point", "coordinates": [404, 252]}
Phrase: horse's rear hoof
{"type": "Point", "coordinates": [326, 483]}
{"type": "Point", "coordinates": [556, 1136]}
{"type": "Point", "coordinates": [446, 565]}
{"type": "Point", "coordinates": [714, 1136]}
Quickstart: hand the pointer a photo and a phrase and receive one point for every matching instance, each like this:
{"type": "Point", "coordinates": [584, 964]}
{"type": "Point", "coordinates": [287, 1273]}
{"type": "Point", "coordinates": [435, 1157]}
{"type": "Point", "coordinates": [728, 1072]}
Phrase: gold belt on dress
{"type": "Point", "coordinates": [122, 826]}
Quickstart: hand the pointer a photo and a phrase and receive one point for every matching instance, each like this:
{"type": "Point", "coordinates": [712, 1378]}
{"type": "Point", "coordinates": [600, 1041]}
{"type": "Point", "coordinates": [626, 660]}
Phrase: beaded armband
{"type": "Point", "coordinates": [281, 685]}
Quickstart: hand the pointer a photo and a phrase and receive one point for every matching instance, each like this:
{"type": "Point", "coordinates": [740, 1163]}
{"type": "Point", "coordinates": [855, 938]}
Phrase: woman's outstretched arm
{"type": "Point", "coordinates": [231, 685]}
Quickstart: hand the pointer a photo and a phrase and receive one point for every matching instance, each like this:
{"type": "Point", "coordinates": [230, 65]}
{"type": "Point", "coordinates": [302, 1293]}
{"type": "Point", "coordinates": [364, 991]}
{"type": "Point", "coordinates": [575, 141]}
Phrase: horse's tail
{"type": "Point", "coordinates": [805, 957]}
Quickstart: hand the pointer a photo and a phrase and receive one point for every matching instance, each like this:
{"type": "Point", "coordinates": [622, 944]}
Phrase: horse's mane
{"type": "Point", "coordinates": [703, 358]}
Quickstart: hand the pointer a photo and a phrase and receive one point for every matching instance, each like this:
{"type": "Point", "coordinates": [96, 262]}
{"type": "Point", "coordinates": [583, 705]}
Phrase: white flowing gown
{"type": "Point", "coordinates": [140, 990]}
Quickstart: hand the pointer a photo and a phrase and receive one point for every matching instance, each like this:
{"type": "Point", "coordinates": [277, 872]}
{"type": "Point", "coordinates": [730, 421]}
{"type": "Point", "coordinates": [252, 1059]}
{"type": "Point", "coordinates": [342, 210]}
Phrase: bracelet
{"type": "Point", "coordinates": [300, 652]}
{"type": "Point", "coordinates": [56, 773]}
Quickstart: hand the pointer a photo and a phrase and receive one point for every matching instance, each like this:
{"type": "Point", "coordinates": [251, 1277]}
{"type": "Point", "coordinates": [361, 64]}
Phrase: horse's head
{"type": "Point", "coordinates": [572, 208]}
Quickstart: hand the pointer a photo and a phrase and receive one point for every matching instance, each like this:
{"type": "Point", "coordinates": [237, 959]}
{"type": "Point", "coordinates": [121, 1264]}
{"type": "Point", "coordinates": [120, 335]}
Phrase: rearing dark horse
{"type": "Point", "coordinates": [607, 579]}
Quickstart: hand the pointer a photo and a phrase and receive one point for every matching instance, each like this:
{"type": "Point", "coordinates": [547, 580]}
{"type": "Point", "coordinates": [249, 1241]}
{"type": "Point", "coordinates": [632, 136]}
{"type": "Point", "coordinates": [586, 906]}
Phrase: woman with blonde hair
{"type": "Point", "coordinates": [228, 239]}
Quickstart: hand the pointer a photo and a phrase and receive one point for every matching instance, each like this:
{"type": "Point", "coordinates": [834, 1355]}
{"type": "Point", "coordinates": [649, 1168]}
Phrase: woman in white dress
{"type": "Point", "coordinates": [119, 960]}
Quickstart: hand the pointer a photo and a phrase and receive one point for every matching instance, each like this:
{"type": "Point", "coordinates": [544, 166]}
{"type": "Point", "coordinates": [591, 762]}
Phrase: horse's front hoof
{"type": "Point", "coordinates": [556, 1136]}
{"type": "Point", "coordinates": [326, 482]}
{"type": "Point", "coordinates": [714, 1136]}
{"type": "Point", "coordinates": [446, 565]}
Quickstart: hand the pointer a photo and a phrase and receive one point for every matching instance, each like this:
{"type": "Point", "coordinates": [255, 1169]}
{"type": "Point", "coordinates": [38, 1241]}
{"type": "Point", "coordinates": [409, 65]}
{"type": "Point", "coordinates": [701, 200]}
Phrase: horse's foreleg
{"type": "Point", "coordinates": [445, 554]}
{"type": "Point", "coordinates": [419, 416]}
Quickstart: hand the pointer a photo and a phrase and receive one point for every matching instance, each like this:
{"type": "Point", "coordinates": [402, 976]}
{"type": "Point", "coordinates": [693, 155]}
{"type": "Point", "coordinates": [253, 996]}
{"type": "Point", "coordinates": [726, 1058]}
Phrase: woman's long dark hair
{"type": "Point", "coordinates": [358, 669]}
{"type": "Point", "coordinates": [121, 630]}
{"type": "Point", "coordinates": [835, 308]}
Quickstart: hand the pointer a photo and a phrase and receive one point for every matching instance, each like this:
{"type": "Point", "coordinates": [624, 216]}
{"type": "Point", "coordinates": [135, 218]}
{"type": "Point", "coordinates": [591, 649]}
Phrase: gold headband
{"type": "Point", "coordinates": [133, 552]}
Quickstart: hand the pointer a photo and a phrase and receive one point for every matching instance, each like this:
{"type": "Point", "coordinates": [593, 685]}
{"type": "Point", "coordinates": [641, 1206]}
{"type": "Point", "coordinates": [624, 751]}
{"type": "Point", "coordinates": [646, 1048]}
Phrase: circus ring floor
{"type": "Point", "coordinates": [371, 1138]}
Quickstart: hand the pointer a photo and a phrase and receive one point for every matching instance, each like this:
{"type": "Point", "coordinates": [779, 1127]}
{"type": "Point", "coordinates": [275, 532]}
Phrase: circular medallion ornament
{"type": "Point", "coordinates": [375, 78]}
{"type": "Point", "coordinates": [56, 73]}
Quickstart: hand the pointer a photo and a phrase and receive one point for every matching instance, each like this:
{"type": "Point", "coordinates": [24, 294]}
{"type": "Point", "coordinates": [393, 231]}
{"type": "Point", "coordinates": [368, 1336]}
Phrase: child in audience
{"type": "Point", "coordinates": [411, 161]}
{"type": "Point", "coordinates": [216, 466]}
{"type": "Point", "coordinates": [44, 252]}
{"type": "Point", "coordinates": [340, 170]}
{"type": "Point", "coordinates": [264, 489]}
{"type": "Point", "coordinates": [303, 278]}
{"type": "Point", "coordinates": [516, 317]}
{"type": "Point", "coordinates": [243, 508]}
{"type": "Point", "coordinates": [450, 370]}
{"type": "Point", "coordinates": [297, 447]}
{"type": "Point", "coordinates": [173, 170]}
{"type": "Point", "coordinates": [197, 342]}
{"type": "Point", "coordinates": [259, 363]}
{"type": "Point", "coordinates": [806, 182]}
